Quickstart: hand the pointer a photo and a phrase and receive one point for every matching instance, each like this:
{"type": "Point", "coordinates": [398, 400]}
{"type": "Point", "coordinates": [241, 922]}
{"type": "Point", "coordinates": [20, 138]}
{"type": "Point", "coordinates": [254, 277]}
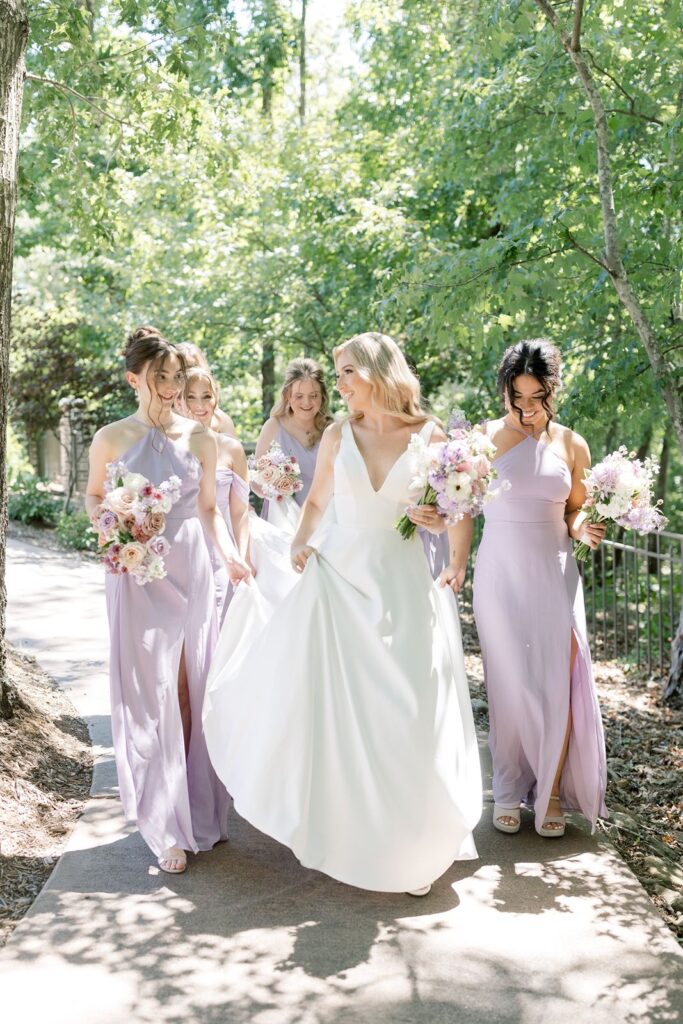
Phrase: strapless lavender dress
{"type": "Point", "coordinates": [176, 801]}
{"type": "Point", "coordinates": [528, 599]}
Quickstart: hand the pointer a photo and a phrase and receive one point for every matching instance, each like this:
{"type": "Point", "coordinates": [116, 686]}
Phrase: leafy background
{"type": "Point", "coordinates": [441, 187]}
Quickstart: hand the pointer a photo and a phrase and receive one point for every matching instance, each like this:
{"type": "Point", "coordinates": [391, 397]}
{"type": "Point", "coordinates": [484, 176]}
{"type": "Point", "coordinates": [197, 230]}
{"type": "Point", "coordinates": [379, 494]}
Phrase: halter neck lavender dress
{"type": "Point", "coordinates": [528, 599]}
{"type": "Point", "coordinates": [176, 800]}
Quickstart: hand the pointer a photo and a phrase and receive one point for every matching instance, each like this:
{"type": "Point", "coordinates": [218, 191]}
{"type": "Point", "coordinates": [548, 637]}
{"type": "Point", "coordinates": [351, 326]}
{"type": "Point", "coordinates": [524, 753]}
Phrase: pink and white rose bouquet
{"type": "Point", "coordinates": [276, 474]}
{"type": "Point", "coordinates": [455, 475]}
{"type": "Point", "coordinates": [619, 489]}
{"type": "Point", "coordinates": [130, 521]}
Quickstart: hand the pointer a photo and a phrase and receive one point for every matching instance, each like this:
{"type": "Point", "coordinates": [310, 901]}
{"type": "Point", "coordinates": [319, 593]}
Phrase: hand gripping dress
{"type": "Point", "coordinates": [528, 599]}
{"type": "Point", "coordinates": [340, 718]}
{"type": "Point", "coordinates": [176, 801]}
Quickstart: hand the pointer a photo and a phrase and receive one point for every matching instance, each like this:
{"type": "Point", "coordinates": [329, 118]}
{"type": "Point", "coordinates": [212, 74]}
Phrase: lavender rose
{"type": "Point", "coordinates": [159, 546]}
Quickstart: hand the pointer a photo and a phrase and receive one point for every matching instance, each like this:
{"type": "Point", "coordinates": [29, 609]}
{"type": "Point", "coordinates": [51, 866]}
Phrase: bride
{"type": "Point", "coordinates": [339, 718]}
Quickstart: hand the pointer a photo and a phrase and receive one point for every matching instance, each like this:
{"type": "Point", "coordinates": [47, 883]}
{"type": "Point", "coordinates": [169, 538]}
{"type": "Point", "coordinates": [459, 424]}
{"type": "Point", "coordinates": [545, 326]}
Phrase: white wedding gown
{"type": "Point", "coordinates": [339, 716]}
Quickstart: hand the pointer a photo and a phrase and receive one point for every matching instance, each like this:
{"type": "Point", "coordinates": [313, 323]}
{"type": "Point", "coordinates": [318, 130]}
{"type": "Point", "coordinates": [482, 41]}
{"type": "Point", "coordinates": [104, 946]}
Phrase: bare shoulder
{"type": "Point", "coordinates": [438, 434]}
{"type": "Point", "coordinates": [332, 433]}
{"type": "Point", "coordinates": [230, 445]}
{"type": "Point", "coordinates": [201, 440]}
{"type": "Point", "coordinates": [268, 434]}
{"type": "Point", "coordinates": [114, 437]}
{"type": "Point", "coordinates": [224, 422]}
{"type": "Point", "coordinates": [491, 427]}
{"type": "Point", "coordinates": [579, 445]}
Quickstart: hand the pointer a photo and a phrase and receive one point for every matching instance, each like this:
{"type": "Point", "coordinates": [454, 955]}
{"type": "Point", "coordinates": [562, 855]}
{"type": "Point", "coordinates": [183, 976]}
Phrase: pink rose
{"type": "Point", "coordinates": [481, 465]}
{"type": "Point", "coordinates": [129, 523]}
{"type": "Point", "coordinates": [132, 555]}
{"type": "Point", "coordinates": [284, 485]}
{"type": "Point", "coordinates": [267, 474]}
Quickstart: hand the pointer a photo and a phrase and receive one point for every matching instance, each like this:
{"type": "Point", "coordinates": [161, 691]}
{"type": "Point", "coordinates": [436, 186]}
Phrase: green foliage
{"type": "Point", "coordinates": [444, 191]}
{"type": "Point", "coordinates": [73, 530]}
{"type": "Point", "coordinates": [29, 501]}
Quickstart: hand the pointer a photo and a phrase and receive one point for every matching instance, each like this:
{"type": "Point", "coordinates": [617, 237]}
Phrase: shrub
{"type": "Point", "coordinates": [73, 530]}
{"type": "Point", "coordinates": [30, 502]}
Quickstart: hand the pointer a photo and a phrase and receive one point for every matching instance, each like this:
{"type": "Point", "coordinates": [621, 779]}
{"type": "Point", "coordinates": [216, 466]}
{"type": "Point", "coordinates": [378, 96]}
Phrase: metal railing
{"type": "Point", "coordinates": [633, 594]}
{"type": "Point", "coordinates": [633, 590]}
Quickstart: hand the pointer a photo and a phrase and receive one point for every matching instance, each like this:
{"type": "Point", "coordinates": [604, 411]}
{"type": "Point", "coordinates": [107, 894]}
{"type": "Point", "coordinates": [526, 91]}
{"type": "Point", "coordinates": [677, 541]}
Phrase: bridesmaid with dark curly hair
{"type": "Point", "coordinates": [546, 733]}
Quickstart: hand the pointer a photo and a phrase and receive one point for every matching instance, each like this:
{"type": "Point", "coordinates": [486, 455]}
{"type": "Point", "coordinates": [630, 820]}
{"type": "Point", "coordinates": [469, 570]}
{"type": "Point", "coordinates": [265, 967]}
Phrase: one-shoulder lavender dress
{"type": "Point", "coordinates": [527, 600]}
{"type": "Point", "coordinates": [175, 800]}
{"type": "Point", "coordinates": [226, 480]}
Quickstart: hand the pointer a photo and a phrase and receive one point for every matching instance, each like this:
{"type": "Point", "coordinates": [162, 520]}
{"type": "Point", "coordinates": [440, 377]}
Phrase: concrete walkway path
{"type": "Point", "coordinates": [534, 932]}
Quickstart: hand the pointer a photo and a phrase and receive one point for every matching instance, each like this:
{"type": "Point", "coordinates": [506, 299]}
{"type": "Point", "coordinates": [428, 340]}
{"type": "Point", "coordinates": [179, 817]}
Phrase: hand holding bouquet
{"type": "Point", "coordinates": [619, 489]}
{"type": "Point", "coordinates": [130, 521]}
{"type": "Point", "coordinates": [455, 475]}
{"type": "Point", "coordinates": [277, 475]}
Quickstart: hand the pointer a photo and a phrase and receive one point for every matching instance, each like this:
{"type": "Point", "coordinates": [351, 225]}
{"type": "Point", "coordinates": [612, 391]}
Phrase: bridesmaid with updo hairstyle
{"type": "Point", "coordinates": [297, 421]}
{"type": "Point", "coordinates": [193, 356]}
{"type": "Point", "coordinates": [546, 734]}
{"type": "Point", "coordinates": [162, 633]}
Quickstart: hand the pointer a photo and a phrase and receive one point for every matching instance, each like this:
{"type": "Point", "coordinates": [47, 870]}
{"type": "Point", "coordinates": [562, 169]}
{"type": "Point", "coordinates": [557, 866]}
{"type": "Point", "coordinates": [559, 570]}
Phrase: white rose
{"type": "Point", "coordinates": [134, 482]}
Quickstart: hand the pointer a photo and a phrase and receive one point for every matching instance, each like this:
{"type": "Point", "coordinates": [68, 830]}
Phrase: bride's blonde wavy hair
{"type": "Point", "coordinates": [380, 362]}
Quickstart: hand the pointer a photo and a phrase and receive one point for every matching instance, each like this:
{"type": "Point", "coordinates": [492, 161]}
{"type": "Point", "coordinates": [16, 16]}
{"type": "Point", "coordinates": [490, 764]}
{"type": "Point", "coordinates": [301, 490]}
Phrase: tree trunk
{"type": "Point", "coordinates": [302, 63]}
{"type": "Point", "coordinates": [665, 374]}
{"type": "Point", "coordinates": [13, 37]}
{"type": "Point", "coordinates": [267, 376]}
{"type": "Point", "coordinates": [673, 687]}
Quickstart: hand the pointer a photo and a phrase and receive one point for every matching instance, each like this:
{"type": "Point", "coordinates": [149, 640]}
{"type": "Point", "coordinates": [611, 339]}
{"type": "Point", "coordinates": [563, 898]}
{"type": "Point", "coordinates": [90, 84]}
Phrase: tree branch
{"type": "Point", "coordinates": [635, 113]}
{"type": "Point", "coordinates": [67, 90]}
{"type": "Point", "coordinates": [586, 252]}
{"type": "Point", "coordinates": [576, 30]}
{"type": "Point", "coordinates": [613, 262]}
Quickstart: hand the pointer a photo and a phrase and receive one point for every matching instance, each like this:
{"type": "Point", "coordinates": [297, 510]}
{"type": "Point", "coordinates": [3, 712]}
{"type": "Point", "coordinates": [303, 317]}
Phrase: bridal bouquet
{"type": "Point", "coordinates": [619, 489]}
{"type": "Point", "coordinates": [276, 474]}
{"type": "Point", "coordinates": [455, 475]}
{"type": "Point", "coordinates": [130, 521]}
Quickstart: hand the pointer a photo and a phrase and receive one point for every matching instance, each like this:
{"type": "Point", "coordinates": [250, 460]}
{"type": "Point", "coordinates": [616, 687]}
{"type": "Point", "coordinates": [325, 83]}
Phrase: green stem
{"type": "Point", "coordinates": [404, 526]}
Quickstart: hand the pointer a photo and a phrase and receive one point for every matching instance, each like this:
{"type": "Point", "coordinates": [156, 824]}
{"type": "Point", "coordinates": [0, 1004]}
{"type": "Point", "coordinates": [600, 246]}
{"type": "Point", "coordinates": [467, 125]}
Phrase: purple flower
{"type": "Point", "coordinates": [107, 521]}
{"type": "Point", "coordinates": [159, 546]}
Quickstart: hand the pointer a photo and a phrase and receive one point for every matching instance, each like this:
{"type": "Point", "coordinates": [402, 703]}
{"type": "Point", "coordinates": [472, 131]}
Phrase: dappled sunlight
{"type": "Point", "coordinates": [248, 935]}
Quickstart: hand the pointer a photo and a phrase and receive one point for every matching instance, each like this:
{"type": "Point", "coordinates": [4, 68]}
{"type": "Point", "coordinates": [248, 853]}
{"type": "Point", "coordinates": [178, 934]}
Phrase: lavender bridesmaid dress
{"type": "Point", "coordinates": [225, 481]}
{"type": "Point", "coordinates": [436, 549]}
{"type": "Point", "coordinates": [527, 600]}
{"type": "Point", "coordinates": [176, 800]}
{"type": "Point", "coordinates": [306, 457]}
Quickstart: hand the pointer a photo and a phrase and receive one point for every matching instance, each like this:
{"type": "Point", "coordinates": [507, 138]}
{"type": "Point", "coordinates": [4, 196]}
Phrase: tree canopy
{"type": "Point", "coordinates": [442, 187]}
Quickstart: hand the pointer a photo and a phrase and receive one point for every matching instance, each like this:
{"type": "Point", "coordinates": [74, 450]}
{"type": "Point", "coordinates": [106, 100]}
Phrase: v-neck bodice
{"type": "Point", "coordinates": [356, 501]}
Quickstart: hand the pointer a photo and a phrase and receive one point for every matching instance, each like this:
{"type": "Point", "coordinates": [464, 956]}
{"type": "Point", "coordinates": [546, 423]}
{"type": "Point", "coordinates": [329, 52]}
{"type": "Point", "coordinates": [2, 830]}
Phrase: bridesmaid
{"type": "Point", "coordinates": [297, 422]}
{"type": "Point", "coordinates": [201, 399]}
{"type": "Point", "coordinates": [162, 634]}
{"type": "Point", "coordinates": [193, 357]}
{"type": "Point", "coordinates": [546, 734]}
